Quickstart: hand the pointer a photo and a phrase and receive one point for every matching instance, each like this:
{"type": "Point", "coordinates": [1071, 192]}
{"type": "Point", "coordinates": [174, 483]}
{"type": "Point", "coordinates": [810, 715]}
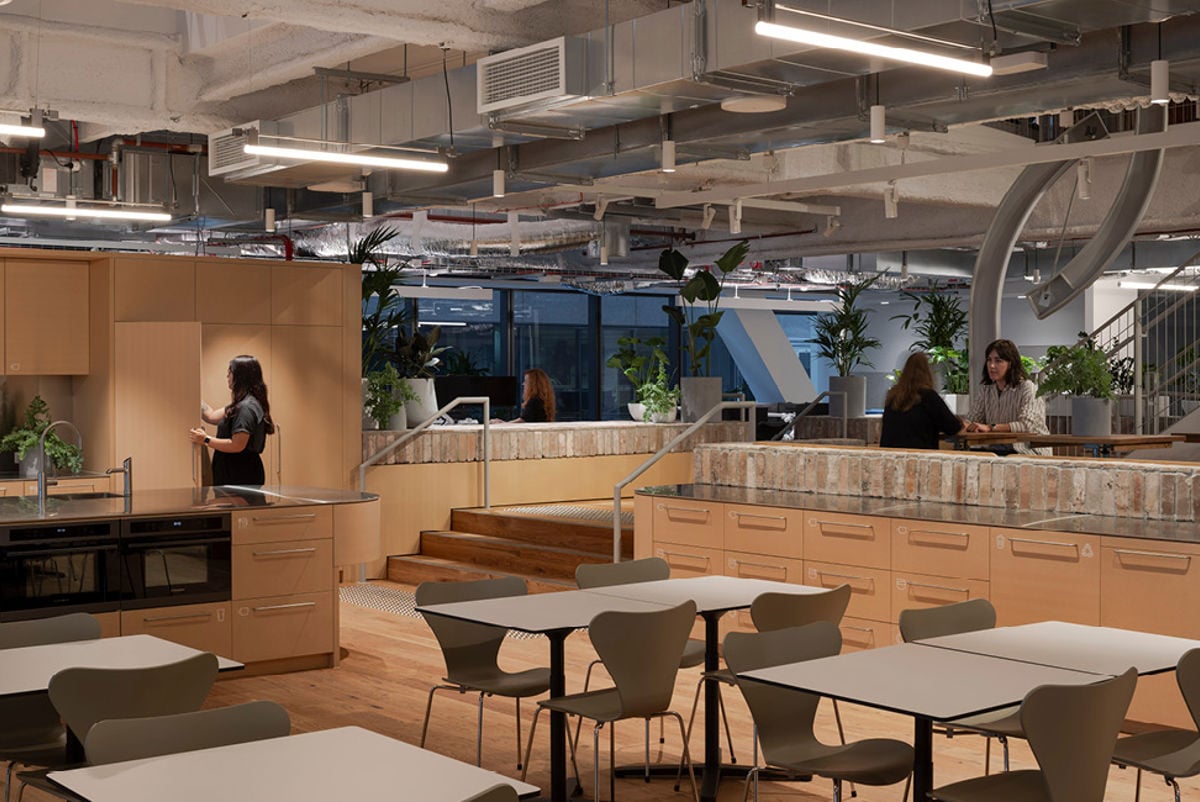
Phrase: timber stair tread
{"type": "Point", "coordinates": [506, 554]}
{"type": "Point", "coordinates": [413, 569]}
{"type": "Point", "coordinates": [587, 535]}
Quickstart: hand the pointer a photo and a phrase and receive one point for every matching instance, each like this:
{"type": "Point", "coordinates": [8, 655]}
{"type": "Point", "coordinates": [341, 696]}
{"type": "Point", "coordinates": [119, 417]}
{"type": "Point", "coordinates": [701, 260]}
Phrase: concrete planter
{"type": "Point", "coordinates": [699, 395]}
{"type": "Point", "coordinates": [854, 400]}
{"type": "Point", "coordinates": [1091, 416]}
{"type": "Point", "coordinates": [426, 405]}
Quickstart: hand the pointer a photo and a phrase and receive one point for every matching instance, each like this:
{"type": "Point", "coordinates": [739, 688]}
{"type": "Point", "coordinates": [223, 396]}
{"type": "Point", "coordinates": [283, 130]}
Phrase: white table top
{"type": "Point", "coordinates": [28, 669]}
{"type": "Point", "coordinates": [344, 763]}
{"type": "Point", "coordinates": [710, 593]}
{"type": "Point", "coordinates": [540, 612]}
{"type": "Point", "coordinates": [1100, 650]}
{"type": "Point", "coordinates": [940, 684]}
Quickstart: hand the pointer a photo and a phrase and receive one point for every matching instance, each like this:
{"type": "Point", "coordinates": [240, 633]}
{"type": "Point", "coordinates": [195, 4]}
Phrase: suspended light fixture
{"type": "Point", "coordinates": [1083, 179]}
{"type": "Point", "coordinates": [497, 183]}
{"type": "Point", "coordinates": [668, 156]}
{"type": "Point", "coordinates": [1160, 82]}
{"type": "Point", "coordinates": [150, 214]}
{"type": "Point", "coordinates": [735, 218]}
{"type": "Point", "coordinates": [891, 201]}
{"type": "Point", "coordinates": [368, 205]}
{"type": "Point", "coordinates": [343, 157]}
{"type": "Point", "coordinates": [30, 131]}
{"type": "Point", "coordinates": [1150, 285]}
{"type": "Point", "coordinates": [269, 220]}
{"type": "Point", "coordinates": [878, 124]}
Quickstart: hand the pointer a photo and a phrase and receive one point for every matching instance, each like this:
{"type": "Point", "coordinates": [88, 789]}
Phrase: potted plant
{"type": "Point", "coordinates": [387, 395]}
{"type": "Point", "coordinates": [842, 340]}
{"type": "Point", "coordinates": [26, 436]}
{"type": "Point", "coordinates": [382, 307]}
{"type": "Point", "coordinates": [660, 401]}
{"type": "Point", "coordinates": [698, 318]}
{"type": "Point", "coordinates": [416, 357]}
{"type": "Point", "coordinates": [1081, 372]}
{"type": "Point", "coordinates": [640, 361]}
{"type": "Point", "coordinates": [940, 323]}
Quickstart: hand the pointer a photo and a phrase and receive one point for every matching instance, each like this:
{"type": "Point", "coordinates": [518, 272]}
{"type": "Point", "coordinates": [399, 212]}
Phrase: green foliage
{"type": "Point", "coordinates": [657, 395]}
{"type": "Point", "coordinates": [381, 323]}
{"type": "Point", "coordinates": [952, 364]}
{"type": "Point", "coordinates": [26, 436]}
{"type": "Point", "coordinates": [701, 295]}
{"type": "Point", "coordinates": [386, 394]}
{"type": "Point", "coordinates": [417, 356]}
{"type": "Point", "coordinates": [1080, 369]}
{"type": "Point", "coordinates": [639, 360]}
{"type": "Point", "coordinates": [842, 332]}
{"type": "Point", "coordinates": [937, 318]}
{"type": "Point", "coordinates": [460, 363]}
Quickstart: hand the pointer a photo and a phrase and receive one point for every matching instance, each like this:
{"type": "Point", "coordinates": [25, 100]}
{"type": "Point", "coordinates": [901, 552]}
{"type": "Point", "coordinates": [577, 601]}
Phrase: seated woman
{"type": "Point", "coordinates": [537, 399]}
{"type": "Point", "coordinates": [1008, 400]}
{"type": "Point", "coordinates": [914, 415]}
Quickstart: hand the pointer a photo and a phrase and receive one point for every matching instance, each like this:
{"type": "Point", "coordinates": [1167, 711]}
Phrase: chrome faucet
{"type": "Point", "coordinates": [127, 469]}
{"type": "Point", "coordinates": [42, 481]}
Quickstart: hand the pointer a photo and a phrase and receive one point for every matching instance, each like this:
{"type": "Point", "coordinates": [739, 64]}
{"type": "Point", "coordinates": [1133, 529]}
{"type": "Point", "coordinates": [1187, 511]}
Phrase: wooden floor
{"type": "Point", "coordinates": [390, 661]}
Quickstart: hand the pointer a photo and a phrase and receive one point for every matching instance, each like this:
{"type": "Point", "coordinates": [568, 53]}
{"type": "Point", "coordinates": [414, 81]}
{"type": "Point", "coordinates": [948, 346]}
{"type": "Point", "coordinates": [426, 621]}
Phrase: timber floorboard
{"type": "Point", "coordinates": [390, 661]}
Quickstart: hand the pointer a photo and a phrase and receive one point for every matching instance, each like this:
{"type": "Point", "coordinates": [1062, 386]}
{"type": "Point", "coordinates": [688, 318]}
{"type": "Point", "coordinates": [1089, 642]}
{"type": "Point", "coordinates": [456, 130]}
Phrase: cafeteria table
{"type": "Point", "coordinates": [713, 596]}
{"type": "Point", "coordinates": [554, 615]}
{"type": "Point", "coordinates": [342, 763]}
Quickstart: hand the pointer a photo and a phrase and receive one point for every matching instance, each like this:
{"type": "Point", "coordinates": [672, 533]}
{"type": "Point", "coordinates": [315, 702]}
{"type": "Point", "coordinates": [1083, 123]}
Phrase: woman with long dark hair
{"type": "Point", "coordinates": [537, 399]}
{"type": "Point", "coordinates": [914, 415]}
{"type": "Point", "coordinates": [1008, 400]}
{"type": "Point", "coordinates": [242, 426]}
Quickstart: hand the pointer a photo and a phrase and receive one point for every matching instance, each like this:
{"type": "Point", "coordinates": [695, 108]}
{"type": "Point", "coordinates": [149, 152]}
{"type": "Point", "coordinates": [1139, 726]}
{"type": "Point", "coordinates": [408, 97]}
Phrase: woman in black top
{"type": "Point", "coordinates": [914, 415]}
{"type": "Point", "coordinates": [242, 426]}
{"type": "Point", "coordinates": [537, 399]}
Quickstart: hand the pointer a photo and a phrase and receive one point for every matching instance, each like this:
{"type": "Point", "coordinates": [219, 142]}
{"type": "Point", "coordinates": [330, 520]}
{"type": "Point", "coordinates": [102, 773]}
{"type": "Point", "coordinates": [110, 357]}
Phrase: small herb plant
{"type": "Point", "coordinates": [26, 436]}
{"type": "Point", "coordinates": [658, 396]}
{"type": "Point", "coordinates": [386, 394]}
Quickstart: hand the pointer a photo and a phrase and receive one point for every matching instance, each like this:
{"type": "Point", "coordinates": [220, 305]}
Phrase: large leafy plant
{"type": "Point", "coordinates": [640, 361]}
{"type": "Point", "coordinates": [1080, 369]}
{"type": "Point", "coordinates": [842, 332]}
{"type": "Point", "coordinates": [701, 296]}
{"type": "Point", "coordinates": [27, 435]}
{"type": "Point", "coordinates": [383, 309]}
{"type": "Point", "coordinates": [416, 356]}
{"type": "Point", "coordinates": [940, 323]}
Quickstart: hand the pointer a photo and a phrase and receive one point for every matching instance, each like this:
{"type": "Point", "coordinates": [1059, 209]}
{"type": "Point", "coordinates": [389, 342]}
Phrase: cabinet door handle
{"type": "Point", "coordinates": [668, 509]}
{"type": "Point", "coordinates": [869, 528]}
{"type": "Point", "coordinates": [868, 630]}
{"type": "Point", "coordinates": [914, 532]}
{"type": "Point", "coordinates": [781, 569]}
{"type": "Point", "coordinates": [275, 552]}
{"type": "Point", "coordinates": [685, 555]}
{"type": "Point", "coordinates": [1056, 543]}
{"type": "Point", "coordinates": [279, 519]}
{"type": "Point", "coordinates": [153, 619]}
{"type": "Point", "coordinates": [868, 579]}
{"type": "Point", "coordinates": [291, 606]}
{"type": "Point", "coordinates": [755, 516]}
{"type": "Point", "coordinates": [1167, 555]}
{"type": "Point", "coordinates": [948, 588]}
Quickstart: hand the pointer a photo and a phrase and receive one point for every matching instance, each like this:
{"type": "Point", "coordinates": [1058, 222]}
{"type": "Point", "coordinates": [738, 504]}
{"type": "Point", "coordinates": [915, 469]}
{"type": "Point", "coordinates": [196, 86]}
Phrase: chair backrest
{"type": "Point", "coordinates": [784, 716]}
{"type": "Point", "coordinates": [949, 619]}
{"type": "Point", "coordinates": [599, 575]}
{"type": "Point", "coordinates": [497, 793]}
{"type": "Point", "coordinates": [114, 740]}
{"type": "Point", "coordinates": [467, 647]}
{"type": "Point", "coordinates": [782, 610]}
{"type": "Point", "coordinates": [1072, 730]}
{"type": "Point", "coordinates": [641, 652]}
{"type": "Point", "coordinates": [84, 695]}
{"type": "Point", "coordinates": [1187, 674]}
{"type": "Point", "coordinates": [40, 631]}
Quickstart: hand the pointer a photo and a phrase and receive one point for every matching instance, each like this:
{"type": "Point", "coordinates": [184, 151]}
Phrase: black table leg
{"type": "Point", "coordinates": [712, 711]}
{"type": "Point", "coordinates": [922, 758]}
{"type": "Point", "coordinates": [558, 720]}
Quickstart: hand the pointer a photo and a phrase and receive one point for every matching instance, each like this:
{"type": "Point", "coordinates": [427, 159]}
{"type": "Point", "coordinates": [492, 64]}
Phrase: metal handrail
{"type": "Point", "coordinates": [779, 435]}
{"type": "Point", "coordinates": [411, 433]}
{"type": "Point", "coordinates": [662, 452]}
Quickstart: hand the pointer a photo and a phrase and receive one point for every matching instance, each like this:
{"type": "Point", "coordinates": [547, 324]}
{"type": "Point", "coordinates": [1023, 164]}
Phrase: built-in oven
{"type": "Point", "coordinates": [175, 560]}
{"type": "Point", "coordinates": [47, 569]}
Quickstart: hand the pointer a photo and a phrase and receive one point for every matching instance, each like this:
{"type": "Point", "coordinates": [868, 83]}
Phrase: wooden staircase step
{"type": "Point", "coordinates": [585, 535]}
{"type": "Point", "coordinates": [414, 569]}
{"type": "Point", "coordinates": [506, 555]}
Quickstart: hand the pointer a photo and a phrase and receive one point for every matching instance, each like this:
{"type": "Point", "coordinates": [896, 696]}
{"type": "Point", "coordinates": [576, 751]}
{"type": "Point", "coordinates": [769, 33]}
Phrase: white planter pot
{"type": "Point", "coordinates": [425, 406]}
{"type": "Point", "coordinates": [665, 417]}
{"type": "Point", "coordinates": [636, 411]}
{"type": "Point", "coordinates": [854, 398]}
{"type": "Point", "coordinates": [699, 395]}
{"type": "Point", "coordinates": [1091, 416]}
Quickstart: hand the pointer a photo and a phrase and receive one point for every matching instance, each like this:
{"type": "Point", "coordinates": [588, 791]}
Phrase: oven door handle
{"type": "Point", "coordinates": [57, 552]}
{"type": "Point", "coordinates": [142, 545]}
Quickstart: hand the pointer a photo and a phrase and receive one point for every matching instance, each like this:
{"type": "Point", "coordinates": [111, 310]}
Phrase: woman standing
{"type": "Point", "coordinates": [914, 415]}
{"type": "Point", "coordinates": [1008, 400]}
{"type": "Point", "coordinates": [242, 426]}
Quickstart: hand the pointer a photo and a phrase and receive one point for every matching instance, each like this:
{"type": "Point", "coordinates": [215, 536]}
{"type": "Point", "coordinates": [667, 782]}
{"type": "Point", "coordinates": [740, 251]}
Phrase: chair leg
{"type": "Point", "coordinates": [518, 700]}
{"type": "Point", "coordinates": [612, 759]}
{"type": "Point", "coordinates": [1004, 743]}
{"type": "Point", "coordinates": [687, 736]}
{"type": "Point", "coordinates": [428, 708]}
{"type": "Point", "coordinates": [595, 762]}
{"type": "Point", "coordinates": [987, 755]}
{"type": "Point", "coordinates": [687, 755]}
{"type": "Point", "coordinates": [725, 721]}
{"type": "Point", "coordinates": [837, 719]}
{"type": "Point", "coordinates": [907, 787]}
{"type": "Point", "coordinates": [646, 769]}
{"type": "Point", "coordinates": [837, 791]}
{"type": "Point", "coordinates": [587, 680]}
{"type": "Point", "coordinates": [1174, 785]}
{"type": "Point", "coordinates": [532, 729]}
{"type": "Point", "coordinates": [479, 735]}
{"type": "Point", "coordinates": [1137, 786]}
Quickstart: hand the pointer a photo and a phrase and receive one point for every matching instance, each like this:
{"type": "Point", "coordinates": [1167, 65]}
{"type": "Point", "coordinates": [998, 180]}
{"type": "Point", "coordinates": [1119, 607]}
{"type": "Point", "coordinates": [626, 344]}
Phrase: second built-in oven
{"type": "Point", "coordinates": [175, 560]}
{"type": "Point", "coordinates": [46, 569]}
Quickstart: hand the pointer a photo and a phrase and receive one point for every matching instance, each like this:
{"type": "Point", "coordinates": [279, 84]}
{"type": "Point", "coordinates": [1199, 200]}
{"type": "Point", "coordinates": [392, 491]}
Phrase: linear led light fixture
{"type": "Point", "coordinates": [31, 131]}
{"type": "Point", "coordinates": [99, 213]}
{"type": "Point", "coordinates": [319, 151]}
{"type": "Point", "coordinates": [921, 58]}
{"type": "Point", "coordinates": [1150, 285]}
{"type": "Point", "coordinates": [452, 293]}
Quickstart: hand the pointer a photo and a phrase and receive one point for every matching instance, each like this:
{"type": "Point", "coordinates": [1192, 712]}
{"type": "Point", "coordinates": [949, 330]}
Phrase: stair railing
{"type": "Point", "coordinates": [791, 426]}
{"type": "Point", "coordinates": [662, 452]}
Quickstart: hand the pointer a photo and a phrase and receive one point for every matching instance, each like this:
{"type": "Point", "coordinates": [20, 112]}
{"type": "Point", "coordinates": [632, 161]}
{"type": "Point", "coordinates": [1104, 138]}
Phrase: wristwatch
{"type": "Point", "coordinates": [207, 439]}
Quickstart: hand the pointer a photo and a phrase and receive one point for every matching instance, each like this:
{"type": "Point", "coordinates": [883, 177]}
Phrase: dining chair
{"type": "Point", "coordinates": [32, 733]}
{"type": "Point", "coordinates": [470, 650]}
{"type": "Point", "coordinates": [953, 619]}
{"type": "Point", "coordinates": [641, 653]}
{"type": "Point", "coordinates": [502, 792]}
{"type": "Point", "coordinates": [1072, 730]}
{"type": "Point", "coordinates": [116, 740]}
{"type": "Point", "coordinates": [628, 572]}
{"type": "Point", "coordinates": [784, 717]}
{"type": "Point", "coordinates": [1173, 753]}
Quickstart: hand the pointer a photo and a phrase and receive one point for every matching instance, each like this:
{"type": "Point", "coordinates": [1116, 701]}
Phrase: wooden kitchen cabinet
{"type": "Point", "coordinates": [306, 295]}
{"type": "Point", "coordinates": [938, 549]}
{"type": "Point", "coordinates": [870, 588]}
{"type": "Point", "coordinates": [46, 324]}
{"type": "Point", "coordinates": [200, 626]}
{"type": "Point", "coordinates": [278, 627]}
{"type": "Point", "coordinates": [685, 561]}
{"type": "Point", "coordinates": [848, 539]}
{"type": "Point", "coordinates": [690, 523]}
{"type": "Point", "coordinates": [98, 484]}
{"type": "Point", "coordinates": [307, 395]}
{"type": "Point", "coordinates": [917, 591]}
{"type": "Point", "coordinates": [764, 530]}
{"type": "Point", "coordinates": [282, 567]}
{"type": "Point", "coordinates": [1038, 576]}
{"type": "Point", "coordinates": [219, 343]}
{"type": "Point", "coordinates": [154, 288]}
{"type": "Point", "coordinates": [233, 292]}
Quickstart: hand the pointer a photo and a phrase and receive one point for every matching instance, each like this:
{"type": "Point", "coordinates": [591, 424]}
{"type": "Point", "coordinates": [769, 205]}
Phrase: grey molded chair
{"type": "Point", "coordinates": [32, 733]}
{"type": "Point", "coordinates": [470, 651]}
{"type": "Point", "coordinates": [641, 653]}
{"type": "Point", "coordinates": [497, 793]}
{"type": "Point", "coordinates": [115, 740]}
{"type": "Point", "coordinates": [1173, 753]}
{"type": "Point", "coordinates": [1072, 730]}
{"type": "Point", "coordinates": [647, 569]}
{"type": "Point", "coordinates": [784, 716]}
{"type": "Point", "coordinates": [952, 619]}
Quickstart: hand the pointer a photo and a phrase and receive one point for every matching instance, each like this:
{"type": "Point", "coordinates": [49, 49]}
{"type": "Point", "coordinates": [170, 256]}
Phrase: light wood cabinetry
{"type": "Point", "coordinates": [154, 288]}
{"type": "Point", "coordinates": [939, 549]}
{"type": "Point", "coordinates": [1038, 576]}
{"type": "Point", "coordinates": [110, 624]}
{"type": "Point", "coordinates": [692, 523]}
{"type": "Point", "coordinates": [233, 292]}
{"type": "Point", "coordinates": [307, 396]}
{"type": "Point", "coordinates": [98, 484]}
{"type": "Point", "coordinates": [46, 317]}
{"type": "Point", "coordinates": [278, 627]}
{"type": "Point", "coordinates": [870, 588]}
{"type": "Point", "coordinates": [848, 539]}
{"type": "Point", "coordinates": [280, 568]}
{"type": "Point", "coordinates": [219, 343]}
{"type": "Point", "coordinates": [685, 560]}
{"type": "Point", "coordinates": [915, 591]}
{"type": "Point", "coordinates": [201, 626]}
{"type": "Point", "coordinates": [767, 531]}
{"type": "Point", "coordinates": [306, 295]}
{"type": "Point", "coordinates": [864, 633]}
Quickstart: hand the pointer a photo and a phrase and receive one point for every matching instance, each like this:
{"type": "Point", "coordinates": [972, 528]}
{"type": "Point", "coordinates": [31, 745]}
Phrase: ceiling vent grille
{"type": "Point", "coordinates": [548, 72]}
{"type": "Point", "coordinates": [225, 153]}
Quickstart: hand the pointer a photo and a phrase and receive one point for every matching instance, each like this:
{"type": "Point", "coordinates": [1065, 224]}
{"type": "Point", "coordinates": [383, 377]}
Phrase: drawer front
{"type": "Point", "coordinates": [690, 523]}
{"type": "Point", "coordinates": [201, 626]}
{"type": "Point", "coordinates": [1150, 586]}
{"type": "Point", "coordinates": [870, 595]}
{"type": "Point", "coordinates": [861, 633]}
{"type": "Point", "coordinates": [289, 523]}
{"type": "Point", "coordinates": [283, 626]}
{"type": "Point", "coordinates": [848, 539]}
{"type": "Point", "coordinates": [689, 560]}
{"type": "Point", "coordinates": [281, 568]}
{"type": "Point", "coordinates": [918, 591]}
{"type": "Point", "coordinates": [764, 530]}
{"type": "Point", "coordinates": [762, 566]}
{"type": "Point", "coordinates": [1044, 576]}
{"type": "Point", "coordinates": [940, 549]}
